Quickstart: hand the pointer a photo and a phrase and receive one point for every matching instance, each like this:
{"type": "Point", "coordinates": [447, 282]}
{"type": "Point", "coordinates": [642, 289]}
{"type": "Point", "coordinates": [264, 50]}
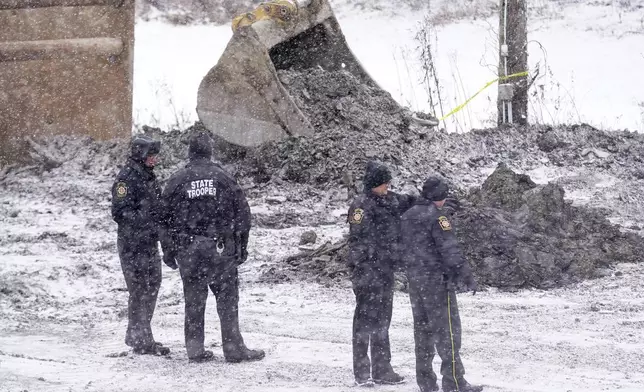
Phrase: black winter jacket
{"type": "Point", "coordinates": [136, 205]}
{"type": "Point", "coordinates": [203, 199]}
{"type": "Point", "coordinates": [428, 241]}
{"type": "Point", "coordinates": [374, 233]}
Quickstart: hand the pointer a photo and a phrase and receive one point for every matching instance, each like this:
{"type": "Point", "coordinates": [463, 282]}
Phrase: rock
{"type": "Point", "coordinates": [275, 199]}
{"type": "Point", "coordinates": [308, 237]}
{"type": "Point", "coordinates": [638, 173]}
{"type": "Point", "coordinates": [549, 142]}
{"type": "Point", "coordinates": [503, 188]}
{"type": "Point", "coordinates": [596, 152]}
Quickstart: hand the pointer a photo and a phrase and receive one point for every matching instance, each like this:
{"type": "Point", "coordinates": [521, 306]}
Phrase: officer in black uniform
{"type": "Point", "coordinates": [137, 210]}
{"type": "Point", "coordinates": [436, 271]}
{"type": "Point", "coordinates": [209, 223]}
{"type": "Point", "coordinates": [374, 230]}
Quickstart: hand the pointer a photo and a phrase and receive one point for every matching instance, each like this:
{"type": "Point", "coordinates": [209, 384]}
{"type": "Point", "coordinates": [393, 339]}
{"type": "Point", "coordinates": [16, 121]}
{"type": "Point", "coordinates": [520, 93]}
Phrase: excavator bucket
{"type": "Point", "coordinates": [241, 98]}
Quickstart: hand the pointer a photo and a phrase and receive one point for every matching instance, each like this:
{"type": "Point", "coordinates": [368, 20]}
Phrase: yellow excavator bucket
{"type": "Point", "coordinates": [241, 98]}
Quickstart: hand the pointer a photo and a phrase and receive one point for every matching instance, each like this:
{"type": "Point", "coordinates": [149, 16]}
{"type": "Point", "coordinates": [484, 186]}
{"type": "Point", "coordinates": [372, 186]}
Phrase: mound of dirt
{"type": "Point", "coordinates": [518, 234]}
{"type": "Point", "coordinates": [326, 265]}
{"type": "Point", "coordinates": [352, 121]}
{"type": "Point", "coordinates": [515, 234]}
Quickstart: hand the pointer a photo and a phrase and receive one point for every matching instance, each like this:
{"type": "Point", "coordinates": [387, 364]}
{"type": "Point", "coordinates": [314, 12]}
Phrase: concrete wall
{"type": "Point", "coordinates": [65, 68]}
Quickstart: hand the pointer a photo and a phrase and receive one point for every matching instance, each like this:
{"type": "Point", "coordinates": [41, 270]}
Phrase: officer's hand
{"type": "Point", "coordinates": [170, 261]}
{"type": "Point", "coordinates": [470, 284]}
{"type": "Point", "coordinates": [452, 206]}
{"type": "Point", "coordinates": [244, 255]}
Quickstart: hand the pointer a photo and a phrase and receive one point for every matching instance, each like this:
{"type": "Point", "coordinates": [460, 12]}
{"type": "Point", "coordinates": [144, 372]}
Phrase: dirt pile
{"type": "Point", "coordinates": [518, 234]}
{"type": "Point", "coordinates": [515, 234]}
{"type": "Point", "coordinates": [325, 264]}
{"type": "Point", "coordinates": [353, 122]}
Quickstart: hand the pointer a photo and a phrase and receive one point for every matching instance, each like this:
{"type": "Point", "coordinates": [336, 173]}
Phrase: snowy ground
{"type": "Point", "coordinates": [589, 53]}
{"type": "Point", "coordinates": [63, 301]}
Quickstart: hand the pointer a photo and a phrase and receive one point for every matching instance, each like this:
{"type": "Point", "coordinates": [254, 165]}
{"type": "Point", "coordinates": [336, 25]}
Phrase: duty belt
{"type": "Point", "coordinates": [220, 243]}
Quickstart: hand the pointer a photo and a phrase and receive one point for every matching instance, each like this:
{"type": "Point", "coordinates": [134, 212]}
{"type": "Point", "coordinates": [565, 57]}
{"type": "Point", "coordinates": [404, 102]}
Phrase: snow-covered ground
{"type": "Point", "coordinates": [590, 56]}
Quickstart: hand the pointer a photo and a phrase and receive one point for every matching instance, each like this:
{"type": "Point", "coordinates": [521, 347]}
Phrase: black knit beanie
{"type": "Point", "coordinates": [375, 175]}
{"type": "Point", "coordinates": [435, 189]}
{"type": "Point", "coordinates": [200, 146]}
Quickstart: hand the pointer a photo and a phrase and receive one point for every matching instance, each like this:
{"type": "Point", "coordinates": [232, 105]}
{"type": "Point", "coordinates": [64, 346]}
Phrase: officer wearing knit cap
{"type": "Point", "coordinates": [374, 234]}
{"type": "Point", "coordinates": [436, 270]}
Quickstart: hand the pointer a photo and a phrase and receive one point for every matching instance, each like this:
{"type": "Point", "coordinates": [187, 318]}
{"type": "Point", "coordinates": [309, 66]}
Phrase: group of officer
{"type": "Point", "coordinates": [393, 232]}
{"type": "Point", "coordinates": [202, 220]}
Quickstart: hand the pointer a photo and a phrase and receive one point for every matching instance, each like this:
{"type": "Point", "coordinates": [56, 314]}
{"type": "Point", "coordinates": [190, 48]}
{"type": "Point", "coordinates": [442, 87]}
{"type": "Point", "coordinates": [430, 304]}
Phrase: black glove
{"type": "Point", "coordinates": [168, 248]}
{"type": "Point", "coordinates": [241, 247]}
{"type": "Point", "coordinates": [469, 284]}
{"type": "Point", "coordinates": [170, 260]}
{"type": "Point", "coordinates": [461, 281]}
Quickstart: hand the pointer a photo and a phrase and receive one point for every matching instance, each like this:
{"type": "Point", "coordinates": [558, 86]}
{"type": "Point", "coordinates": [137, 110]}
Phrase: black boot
{"type": "Point", "coordinates": [462, 387]}
{"type": "Point", "coordinates": [205, 356]}
{"type": "Point", "coordinates": [245, 354]}
{"type": "Point", "coordinates": [389, 378]}
{"type": "Point", "coordinates": [431, 388]}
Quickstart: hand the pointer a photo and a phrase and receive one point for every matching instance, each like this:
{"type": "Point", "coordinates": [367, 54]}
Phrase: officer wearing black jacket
{"type": "Point", "coordinates": [374, 231]}
{"type": "Point", "coordinates": [436, 271]}
{"type": "Point", "coordinates": [137, 211]}
{"type": "Point", "coordinates": [209, 223]}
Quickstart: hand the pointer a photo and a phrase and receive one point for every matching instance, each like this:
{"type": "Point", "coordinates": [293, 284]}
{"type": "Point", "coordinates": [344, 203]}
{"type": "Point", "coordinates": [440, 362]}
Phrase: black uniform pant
{"type": "Point", "coordinates": [141, 267]}
{"type": "Point", "coordinates": [371, 320]}
{"type": "Point", "coordinates": [200, 271]}
{"type": "Point", "coordinates": [436, 324]}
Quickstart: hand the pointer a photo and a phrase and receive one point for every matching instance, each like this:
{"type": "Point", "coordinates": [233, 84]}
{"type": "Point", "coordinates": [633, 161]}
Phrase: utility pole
{"type": "Point", "coordinates": [513, 58]}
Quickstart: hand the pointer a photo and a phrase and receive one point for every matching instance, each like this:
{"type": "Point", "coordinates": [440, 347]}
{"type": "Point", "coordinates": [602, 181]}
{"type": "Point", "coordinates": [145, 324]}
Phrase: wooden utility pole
{"type": "Point", "coordinates": [513, 58]}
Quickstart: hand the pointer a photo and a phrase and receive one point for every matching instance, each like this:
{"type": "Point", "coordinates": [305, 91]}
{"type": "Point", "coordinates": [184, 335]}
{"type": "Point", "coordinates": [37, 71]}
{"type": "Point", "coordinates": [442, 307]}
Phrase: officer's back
{"type": "Point", "coordinates": [209, 221]}
{"type": "Point", "coordinates": [203, 199]}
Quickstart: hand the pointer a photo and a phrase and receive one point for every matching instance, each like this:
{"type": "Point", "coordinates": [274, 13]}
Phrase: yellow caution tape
{"type": "Point", "coordinates": [451, 337]}
{"type": "Point", "coordinates": [461, 106]}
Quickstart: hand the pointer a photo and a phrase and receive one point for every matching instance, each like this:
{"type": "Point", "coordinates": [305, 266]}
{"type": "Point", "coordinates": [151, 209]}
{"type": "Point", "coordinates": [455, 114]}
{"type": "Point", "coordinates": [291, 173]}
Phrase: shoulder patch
{"type": "Point", "coordinates": [357, 216]}
{"type": "Point", "coordinates": [121, 190]}
{"type": "Point", "coordinates": [444, 223]}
